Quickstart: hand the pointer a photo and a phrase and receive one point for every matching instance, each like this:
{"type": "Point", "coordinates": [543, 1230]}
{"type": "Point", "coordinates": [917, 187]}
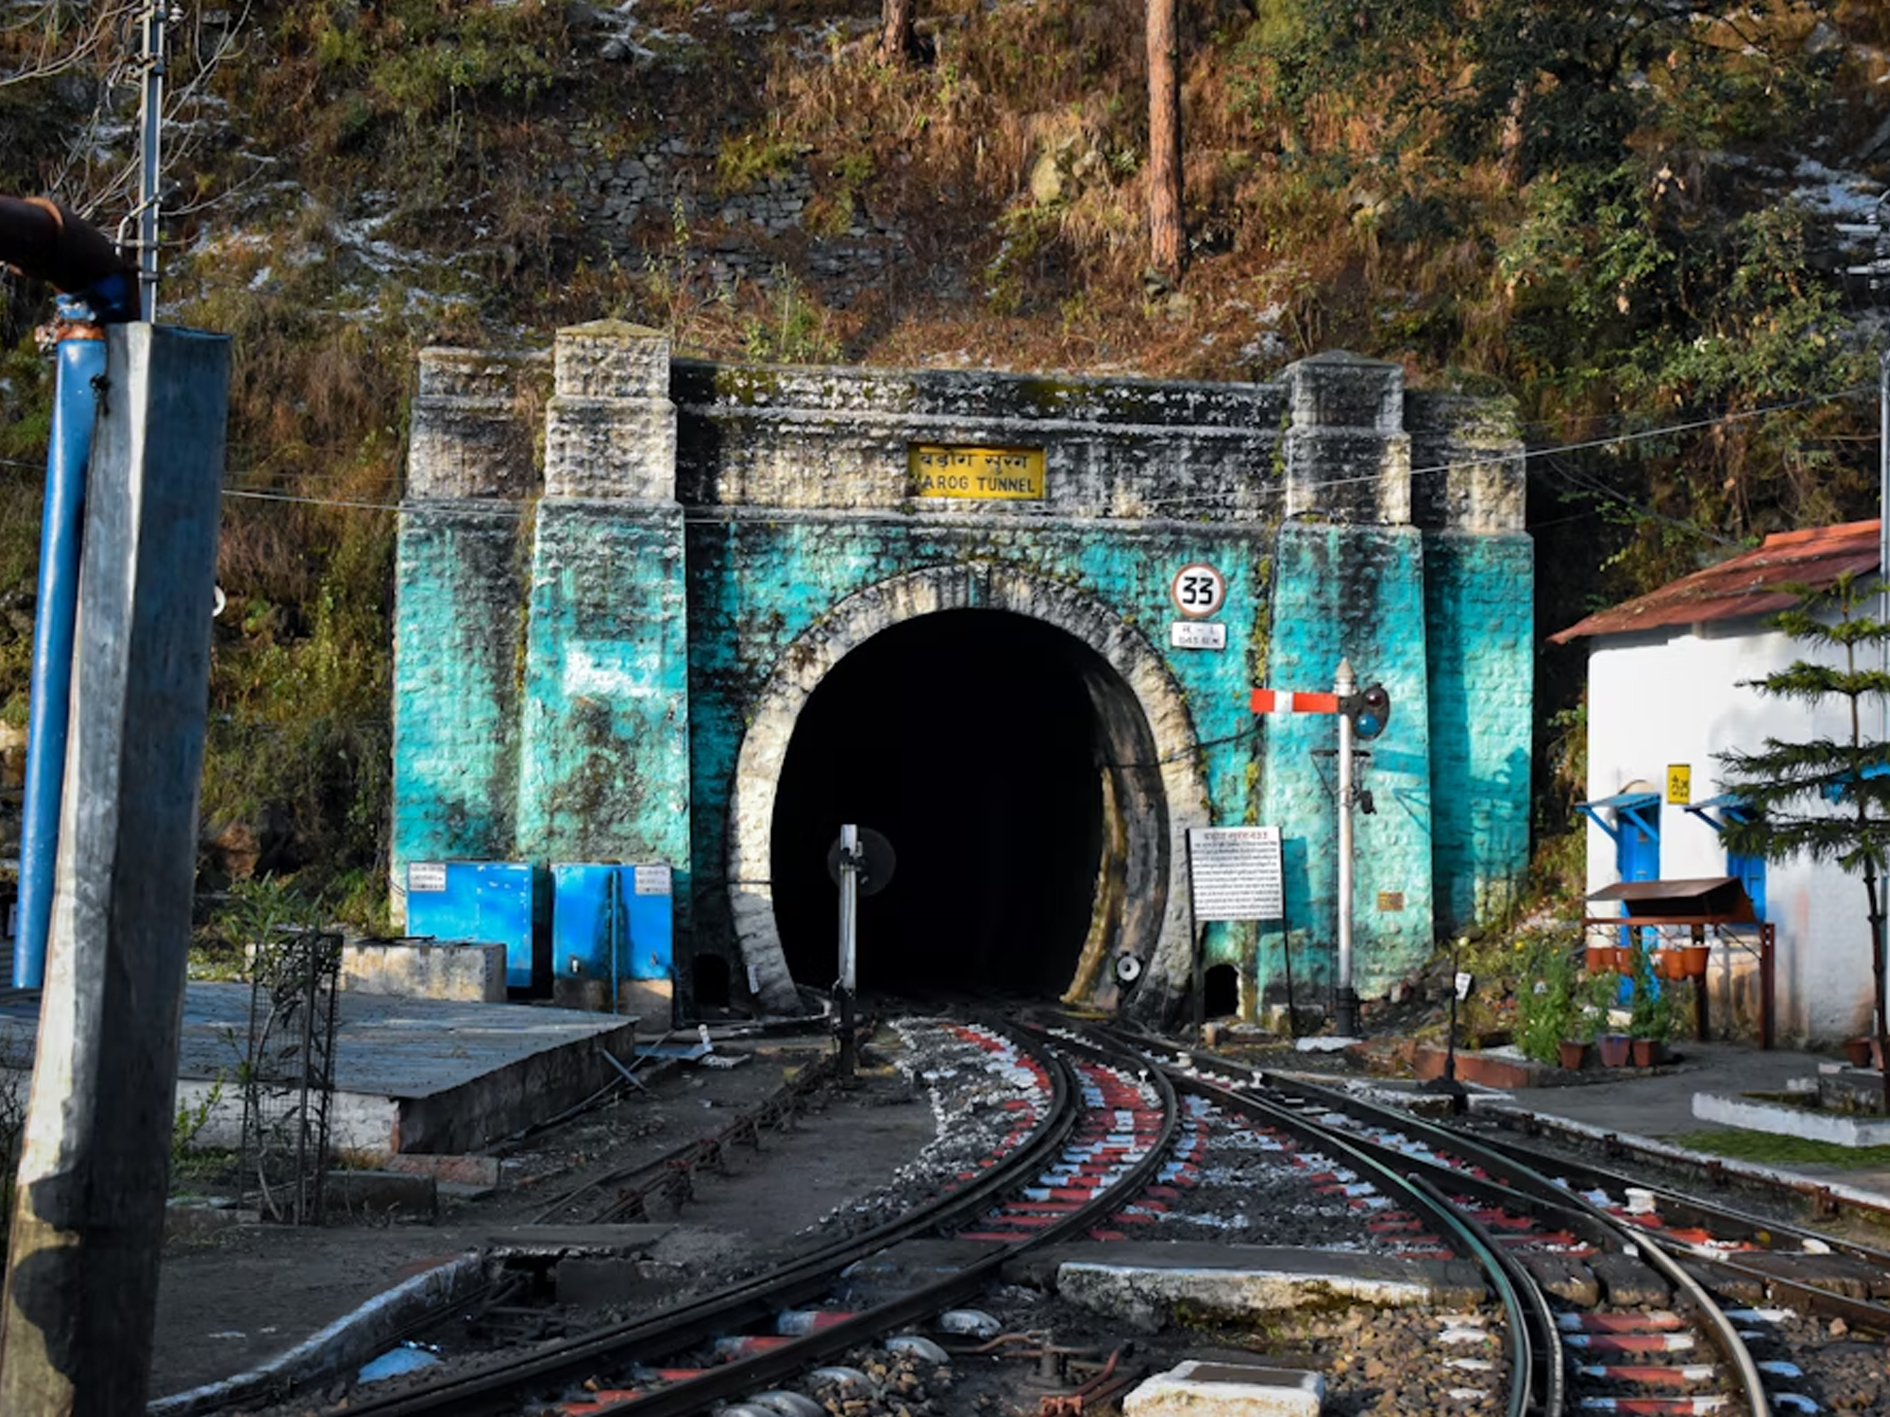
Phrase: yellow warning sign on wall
{"type": "Point", "coordinates": [1015, 473]}
{"type": "Point", "coordinates": [1680, 783]}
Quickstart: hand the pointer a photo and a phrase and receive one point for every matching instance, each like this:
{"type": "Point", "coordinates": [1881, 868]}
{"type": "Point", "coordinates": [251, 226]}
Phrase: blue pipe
{"type": "Point", "coordinates": [80, 360]}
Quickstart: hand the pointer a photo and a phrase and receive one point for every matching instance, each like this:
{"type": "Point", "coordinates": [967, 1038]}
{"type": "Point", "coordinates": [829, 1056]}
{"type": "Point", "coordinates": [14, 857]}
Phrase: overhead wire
{"type": "Point", "coordinates": [1542, 460]}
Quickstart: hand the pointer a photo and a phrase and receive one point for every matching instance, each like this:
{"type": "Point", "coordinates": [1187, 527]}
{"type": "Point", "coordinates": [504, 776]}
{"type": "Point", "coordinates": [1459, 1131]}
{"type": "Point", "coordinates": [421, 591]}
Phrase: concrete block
{"type": "Point", "coordinates": [1145, 1283]}
{"type": "Point", "coordinates": [413, 969]}
{"type": "Point", "coordinates": [458, 1170]}
{"type": "Point", "coordinates": [652, 1002]}
{"type": "Point", "coordinates": [1629, 1283]}
{"type": "Point", "coordinates": [1567, 1279]}
{"type": "Point", "coordinates": [1196, 1389]}
{"type": "Point", "coordinates": [1837, 1128]}
{"type": "Point", "coordinates": [385, 1191]}
{"type": "Point", "coordinates": [589, 995]}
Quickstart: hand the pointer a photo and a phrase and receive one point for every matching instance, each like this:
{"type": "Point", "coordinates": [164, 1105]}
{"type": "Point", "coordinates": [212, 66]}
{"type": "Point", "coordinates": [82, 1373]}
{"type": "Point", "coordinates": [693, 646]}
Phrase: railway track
{"type": "Point", "coordinates": [1602, 1295]}
{"type": "Point", "coordinates": [1081, 1139]}
{"type": "Point", "coordinates": [1653, 1301]}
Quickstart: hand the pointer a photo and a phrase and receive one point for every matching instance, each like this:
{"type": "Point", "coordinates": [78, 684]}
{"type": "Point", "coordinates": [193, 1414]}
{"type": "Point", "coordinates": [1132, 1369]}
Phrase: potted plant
{"type": "Point", "coordinates": [1597, 999]}
{"type": "Point", "coordinates": [1548, 1008]}
{"type": "Point", "coordinates": [1650, 1017]}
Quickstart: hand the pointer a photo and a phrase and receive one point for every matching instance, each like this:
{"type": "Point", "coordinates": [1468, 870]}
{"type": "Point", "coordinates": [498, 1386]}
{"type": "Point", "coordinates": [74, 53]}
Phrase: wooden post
{"type": "Point", "coordinates": [88, 1221]}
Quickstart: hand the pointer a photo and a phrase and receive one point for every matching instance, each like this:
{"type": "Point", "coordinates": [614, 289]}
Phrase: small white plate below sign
{"type": "Point", "coordinates": [652, 880]}
{"type": "Point", "coordinates": [1197, 634]}
{"type": "Point", "coordinates": [425, 877]}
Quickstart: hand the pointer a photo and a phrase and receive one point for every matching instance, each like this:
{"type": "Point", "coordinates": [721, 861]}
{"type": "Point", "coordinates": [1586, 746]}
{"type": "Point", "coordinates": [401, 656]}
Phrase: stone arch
{"type": "Point", "coordinates": [1153, 786]}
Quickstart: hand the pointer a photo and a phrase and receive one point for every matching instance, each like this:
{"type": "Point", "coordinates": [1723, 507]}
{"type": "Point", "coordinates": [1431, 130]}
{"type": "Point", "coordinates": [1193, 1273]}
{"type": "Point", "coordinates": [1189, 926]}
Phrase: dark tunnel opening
{"type": "Point", "coordinates": [969, 739]}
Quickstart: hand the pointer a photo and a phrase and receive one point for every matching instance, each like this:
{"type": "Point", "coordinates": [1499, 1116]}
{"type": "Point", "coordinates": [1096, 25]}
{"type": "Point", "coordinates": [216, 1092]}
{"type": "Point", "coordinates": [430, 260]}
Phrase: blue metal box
{"type": "Point", "coordinates": [488, 902]}
{"type": "Point", "coordinates": [611, 922]}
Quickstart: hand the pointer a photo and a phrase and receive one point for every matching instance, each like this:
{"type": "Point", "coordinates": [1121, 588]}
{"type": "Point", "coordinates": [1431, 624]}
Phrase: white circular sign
{"type": "Point", "coordinates": [1198, 590]}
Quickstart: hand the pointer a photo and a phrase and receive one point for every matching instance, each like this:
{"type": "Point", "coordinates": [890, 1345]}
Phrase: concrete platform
{"type": "Point", "coordinates": [1660, 1103]}
{"type": "Point", "coordinates": [418, 1075]}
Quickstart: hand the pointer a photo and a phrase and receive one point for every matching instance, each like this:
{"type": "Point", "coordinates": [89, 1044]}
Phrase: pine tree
{"type": "Point", "coordinates": [1826, 798]}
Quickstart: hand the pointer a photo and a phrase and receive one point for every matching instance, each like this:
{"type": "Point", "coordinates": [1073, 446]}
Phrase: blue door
{"type": "Point", "coordinates": [1749, 871]}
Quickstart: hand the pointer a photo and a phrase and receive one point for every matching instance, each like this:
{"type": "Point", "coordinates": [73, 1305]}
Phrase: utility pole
{"type": "Point", "coordinates": [850, 859]}
{"type": "Point", "coordinates": [151, 156]}
{"type": "Point", "coordinates": [1345, 1001]}
{"type": "Point", "coordinates": [88, 1219]}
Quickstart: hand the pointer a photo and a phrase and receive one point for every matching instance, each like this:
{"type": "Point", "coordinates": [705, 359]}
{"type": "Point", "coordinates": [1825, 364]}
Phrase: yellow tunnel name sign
{"type": "Point", "coordinates": [1016, 473]}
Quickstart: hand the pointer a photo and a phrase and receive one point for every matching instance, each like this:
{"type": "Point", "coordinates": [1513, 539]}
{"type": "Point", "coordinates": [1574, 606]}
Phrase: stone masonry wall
{"type": "Point", "coordinates": [1480, 630]}
{"type": "Point", "coordinates": [702, 525]}
{"type": "Point", "coordinates": [1354, 593]}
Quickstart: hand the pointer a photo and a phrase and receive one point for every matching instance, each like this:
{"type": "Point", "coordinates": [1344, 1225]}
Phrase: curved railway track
{"type": "Point", "coordinates": [1630, 1274]}
{"type": "Point", "coordinates": [1096, 1135]}
{"type": "Point", "coordinates": [1602, 1292]}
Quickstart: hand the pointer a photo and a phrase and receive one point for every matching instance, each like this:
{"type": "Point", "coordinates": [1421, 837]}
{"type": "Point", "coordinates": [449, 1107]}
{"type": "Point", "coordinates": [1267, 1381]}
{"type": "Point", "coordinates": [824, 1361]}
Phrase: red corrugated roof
{"type": "Point", "coordinates": [1748, 584]}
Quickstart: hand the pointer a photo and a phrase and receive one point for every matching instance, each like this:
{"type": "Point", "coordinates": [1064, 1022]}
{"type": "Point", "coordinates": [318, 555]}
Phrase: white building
{"type": "Point", "coordinates": [1666, 692]}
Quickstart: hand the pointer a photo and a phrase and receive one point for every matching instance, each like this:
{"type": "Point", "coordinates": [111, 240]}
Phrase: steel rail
{"type": "Point", "coordinates": [802, 1277]}
{"type": "Point", "coordinates": [1723, 1332]}
{"type": "Point", "coordinates": [490, 1388]}
{"type": "Point", "coordinates": [762, 1369]}
{"type": "Point", "coordinates": [1729, 1223]}
{"type": "Point", "coordinates": [1538, 1382]}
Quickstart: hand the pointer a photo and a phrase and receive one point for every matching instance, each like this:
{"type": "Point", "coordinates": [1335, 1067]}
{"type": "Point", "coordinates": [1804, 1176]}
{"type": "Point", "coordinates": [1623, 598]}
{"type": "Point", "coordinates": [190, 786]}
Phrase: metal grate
{"type": "Point", "coordinates": [288, 1074]}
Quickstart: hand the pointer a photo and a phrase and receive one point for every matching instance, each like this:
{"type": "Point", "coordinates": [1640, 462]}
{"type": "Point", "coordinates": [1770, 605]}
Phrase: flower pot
{"type": "Point", "coordinates": [1693, 961]}
{"type": "Point", "coordinates": [1669, 964]}
{"type": "Point", "coordinates": [1613, 1050]}
{"type": "Point", "coordinates": [1644, 1052]}
{"type": "Point", "coordinates": [1572, 1053]}
{"type": "Point", "coordinates": [1600, 959]}
{"type": "Point", "coordinates": [1857, 1051]}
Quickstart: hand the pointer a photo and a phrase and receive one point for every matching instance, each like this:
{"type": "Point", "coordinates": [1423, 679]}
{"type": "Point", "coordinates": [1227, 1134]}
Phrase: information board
{"type": "Point", "coordinates": [425, 876]}
{"type": "Point", "coordinates": [1235, 874]}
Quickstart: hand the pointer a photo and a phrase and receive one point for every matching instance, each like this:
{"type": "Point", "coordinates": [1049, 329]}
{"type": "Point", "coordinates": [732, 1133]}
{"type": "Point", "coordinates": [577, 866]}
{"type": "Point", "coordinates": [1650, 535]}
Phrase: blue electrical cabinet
{"type": "Point", "coordinates": [489, 902]}
{"type": "Point", "coordinates": [611, 922]}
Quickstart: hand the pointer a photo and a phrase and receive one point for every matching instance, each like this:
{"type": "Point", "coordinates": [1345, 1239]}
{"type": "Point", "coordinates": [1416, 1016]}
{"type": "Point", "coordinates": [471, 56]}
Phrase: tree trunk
{"type": "Point", "coordinates": [896, 40]}
{"type": "Point", "coordinates": [1166, 248]}
{"type": "Point", "coordinates": [1879, 1028]}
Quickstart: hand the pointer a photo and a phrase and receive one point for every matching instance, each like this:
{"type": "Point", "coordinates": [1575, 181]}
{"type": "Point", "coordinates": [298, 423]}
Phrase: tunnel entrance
{"type": "Point", "coordinates": [973, 741]}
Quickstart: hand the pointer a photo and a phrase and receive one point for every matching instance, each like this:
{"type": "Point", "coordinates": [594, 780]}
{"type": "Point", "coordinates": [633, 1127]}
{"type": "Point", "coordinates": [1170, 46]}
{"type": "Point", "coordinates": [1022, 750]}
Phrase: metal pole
{"type": "Point", "coordinates": [88, 1221]}
{"type": "Point", "coordinates": [1345, 1005]}
{"type": "Point", "coordinates": [151, 126]}
{"type": "Point", "coordinates": [80, 361]}
{"type": "Point", "coordinates": [1883, 532]}
{"type": "Point", "coordinates": [849, 914]}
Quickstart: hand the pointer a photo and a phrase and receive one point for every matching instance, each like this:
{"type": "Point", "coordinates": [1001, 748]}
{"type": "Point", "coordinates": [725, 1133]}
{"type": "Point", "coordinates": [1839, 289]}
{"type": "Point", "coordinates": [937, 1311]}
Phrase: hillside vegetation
{"type": "Point", "coordinates": [1625, 214]}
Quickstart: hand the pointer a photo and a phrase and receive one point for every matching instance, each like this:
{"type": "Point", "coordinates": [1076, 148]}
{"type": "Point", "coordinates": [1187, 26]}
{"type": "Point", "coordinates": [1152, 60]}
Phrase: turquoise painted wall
{"type": "Point", "coordinates": [460, 588]}
{"type": "Point", "coordinates": [604, 742]}
{"type": "Point", "coordinates": [1480, 626]}
{"type": "Point", "coordinates": [1352, 593]}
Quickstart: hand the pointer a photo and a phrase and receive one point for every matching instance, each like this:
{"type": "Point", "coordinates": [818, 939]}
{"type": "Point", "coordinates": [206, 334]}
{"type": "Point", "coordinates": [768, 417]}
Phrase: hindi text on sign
{"type": "Point", "coordinates": [1013, 473]}
{"type": "Point", "coordinates": [1235, 873]}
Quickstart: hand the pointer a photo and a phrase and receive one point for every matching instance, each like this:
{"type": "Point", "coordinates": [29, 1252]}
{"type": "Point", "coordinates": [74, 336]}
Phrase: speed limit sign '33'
{"type": "Point", "coordinates": [1198, 590]}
